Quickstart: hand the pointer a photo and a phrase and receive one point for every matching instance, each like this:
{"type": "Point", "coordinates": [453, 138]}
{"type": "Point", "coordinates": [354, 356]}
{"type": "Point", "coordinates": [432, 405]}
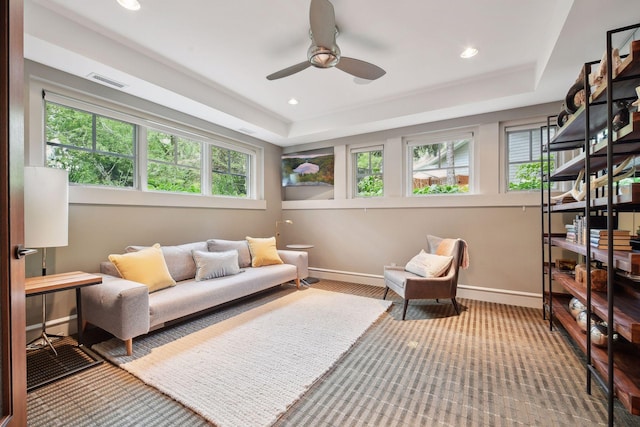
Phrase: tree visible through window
{"type": "Point", "coordinates": [229, 172]}
{"type": "Point", "coordinates": [102, 151]}
{"type": "Point", "coordinates": [173, 163]}
{"type": "Point", "coordinates": [368, 173]}
{"type": "Point", "coordinates": [94, 149]}
{"type": "Point", "coordinates": [440, 167]}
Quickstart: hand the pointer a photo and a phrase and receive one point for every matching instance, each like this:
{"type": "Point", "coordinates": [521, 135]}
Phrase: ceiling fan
{"type": "Point", "coordinates": [324, 52]}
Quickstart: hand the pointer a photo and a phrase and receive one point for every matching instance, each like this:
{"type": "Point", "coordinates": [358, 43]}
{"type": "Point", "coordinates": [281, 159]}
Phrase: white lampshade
{"type": "Point", "coordinates": [46, 207]}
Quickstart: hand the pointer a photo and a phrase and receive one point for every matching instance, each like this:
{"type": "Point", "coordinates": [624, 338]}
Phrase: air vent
{"type": "Point", "coordinates": [106, 80]}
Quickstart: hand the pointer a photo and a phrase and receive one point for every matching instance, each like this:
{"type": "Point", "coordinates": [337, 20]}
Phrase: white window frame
{"type": "Point", "coordinates": [535, 126]}
{"type": "Point", "coordinates": [436, 138]}
{"type": "Point", "coordinates": [140, 196]}
{"type": "Point", "coordinates": [353, 169]}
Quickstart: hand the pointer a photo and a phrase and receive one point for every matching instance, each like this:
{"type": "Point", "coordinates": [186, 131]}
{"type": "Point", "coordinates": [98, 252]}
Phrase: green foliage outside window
{"type": "Point", "coordinates": [98, 150]}
{"type": "Point", "coordinates": [229, 172]}
{"type": "Point", "coordinates": [441, 168]}
{"type": "Point", "coordinates": [442, 189]}
{"type": "Point", "coordinates": [369, 181]}
{"type": "Point", "coordinates": [95, 150]}
{"type": "Point", "coordinates": [527, 176]}
{"type": "Point", "coordinates": [173, 163]}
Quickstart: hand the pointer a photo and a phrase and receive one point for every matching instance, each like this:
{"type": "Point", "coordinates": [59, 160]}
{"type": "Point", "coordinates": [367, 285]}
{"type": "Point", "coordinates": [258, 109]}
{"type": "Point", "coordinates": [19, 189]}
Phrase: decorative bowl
{"type": "Point", "coordinates": [582, 320]}
{"type": "Point", "coordinates": [599, 334]}
{"type": "Point", "coordinates": [575, 307]}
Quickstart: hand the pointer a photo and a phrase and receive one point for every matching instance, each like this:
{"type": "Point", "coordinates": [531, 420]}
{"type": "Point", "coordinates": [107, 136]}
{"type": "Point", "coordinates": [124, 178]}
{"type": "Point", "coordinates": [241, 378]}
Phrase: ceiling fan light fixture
{"type": "Point", "coordinates": [129, 4]}
{"type": "Point", "coordinates": [323, 57]}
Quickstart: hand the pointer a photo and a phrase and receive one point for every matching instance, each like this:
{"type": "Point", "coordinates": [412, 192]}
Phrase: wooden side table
{"type": "Point", "coordinates": [61, 282]}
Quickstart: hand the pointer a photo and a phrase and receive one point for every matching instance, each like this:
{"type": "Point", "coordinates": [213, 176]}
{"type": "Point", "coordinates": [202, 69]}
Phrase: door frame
{"type": "Point", "coordinates": [13, 411]}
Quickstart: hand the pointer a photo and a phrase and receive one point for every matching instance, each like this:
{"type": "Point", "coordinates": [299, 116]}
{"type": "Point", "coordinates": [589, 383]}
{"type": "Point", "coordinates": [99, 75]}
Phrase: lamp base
{"type": "Point", "coordinates": [43, 341]}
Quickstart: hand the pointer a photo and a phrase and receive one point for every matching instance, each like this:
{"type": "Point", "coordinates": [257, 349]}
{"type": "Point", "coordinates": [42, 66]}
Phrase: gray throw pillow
{"type": "Point", "coordinates": [210, 265]}
{"type": "Point", "coordinates": [241, 246]}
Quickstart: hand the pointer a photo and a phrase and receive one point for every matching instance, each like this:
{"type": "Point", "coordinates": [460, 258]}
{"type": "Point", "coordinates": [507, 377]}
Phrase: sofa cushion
{"type": "Point", "coordinates": [263, 251]}
{"type": "Point", "coordinates": [210, 265]}
{"type": "Point", "coordinates": [428, 265]}
{"type": "Point", "coordinates": [178, 258]}
{"type": "Point", "coordinates": [219, 245]}
{"type": "Point", "coordinates": [146, 266]}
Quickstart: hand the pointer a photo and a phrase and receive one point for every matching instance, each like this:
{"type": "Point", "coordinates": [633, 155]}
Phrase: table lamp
{"type": "Point", "coordinates": [46, 222]}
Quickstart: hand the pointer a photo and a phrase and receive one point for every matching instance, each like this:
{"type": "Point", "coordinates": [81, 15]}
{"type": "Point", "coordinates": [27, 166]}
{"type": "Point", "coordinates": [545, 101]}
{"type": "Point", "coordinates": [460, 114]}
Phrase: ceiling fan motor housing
{"type": "Point", "coordinates": [323, 57]}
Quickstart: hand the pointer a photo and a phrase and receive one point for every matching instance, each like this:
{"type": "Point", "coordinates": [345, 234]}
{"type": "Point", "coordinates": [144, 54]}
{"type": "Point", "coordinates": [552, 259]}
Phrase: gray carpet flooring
{"type": "Point", "coordinates": [494, 365]}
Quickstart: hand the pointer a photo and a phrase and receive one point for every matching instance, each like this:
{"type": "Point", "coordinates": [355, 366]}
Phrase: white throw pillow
{"type": "Point", "coordinates": [210, 265]}
{"type": "Point", "coordinates": [428, 265]}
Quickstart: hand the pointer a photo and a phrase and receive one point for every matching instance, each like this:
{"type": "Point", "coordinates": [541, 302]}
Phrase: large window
{"type": "Point", "coordinates": [229, 172]}
{"type": "Point", "coordinates": [96, 150]}
{"type": "Point", "coordinates": [440, 166]}
{"type": "Point", "coordinates": [523, 157]}
{"type": "Point", "coordinates": [367, 167]}
{"type": "Point", "coordinates": [173, 163]}
{"type": "Point", "coordinates": [99, 150]}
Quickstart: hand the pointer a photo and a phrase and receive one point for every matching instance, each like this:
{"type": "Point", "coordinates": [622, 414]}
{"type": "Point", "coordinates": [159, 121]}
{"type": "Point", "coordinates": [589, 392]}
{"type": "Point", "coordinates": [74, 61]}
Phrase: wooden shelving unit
{"type": "Point", "coordinates": [590, 130]}
{"type": "Point", "coordinates": [626, 367]}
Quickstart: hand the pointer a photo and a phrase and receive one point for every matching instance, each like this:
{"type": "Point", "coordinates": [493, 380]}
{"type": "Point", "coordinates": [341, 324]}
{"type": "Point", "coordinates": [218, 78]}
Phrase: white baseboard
{"type": "Point", "coordinates": [501, 296]}
{"type": "Point", "coordinates": [67, 325]}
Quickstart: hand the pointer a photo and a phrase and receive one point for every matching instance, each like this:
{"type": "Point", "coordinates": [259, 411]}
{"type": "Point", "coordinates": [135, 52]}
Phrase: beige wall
{"type": "Point", "coordinates": [348, 236]}
{"type": "Point", "coordinates": [504, 242]}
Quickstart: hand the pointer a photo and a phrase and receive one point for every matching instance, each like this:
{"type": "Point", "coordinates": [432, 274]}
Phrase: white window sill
{"type": "Point", "coordinates": [124, 197]}
{"type": "Point", "coordinates": [433, 201]}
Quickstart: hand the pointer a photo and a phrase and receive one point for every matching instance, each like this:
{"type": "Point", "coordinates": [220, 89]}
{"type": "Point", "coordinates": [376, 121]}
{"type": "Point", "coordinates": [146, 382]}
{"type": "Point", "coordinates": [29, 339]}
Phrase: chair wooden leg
{"type": "Point", "coordinates": [404, 310]}
{"type": "Point", "coordinates": [386, 289]}
{"type": "Point", "coordinates": [129, 346]}
{"type": "Point", "coordinates": [455, 305]}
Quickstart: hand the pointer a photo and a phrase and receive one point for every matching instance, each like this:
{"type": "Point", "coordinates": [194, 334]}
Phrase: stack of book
{"type": "Point", "coordinates": [571, 233]}
{"type": "Point", "coordinates": [621, 239]}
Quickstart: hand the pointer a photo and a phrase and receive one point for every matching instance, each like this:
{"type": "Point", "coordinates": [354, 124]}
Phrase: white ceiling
{"type": "Point", "coordinates": [210, 58]}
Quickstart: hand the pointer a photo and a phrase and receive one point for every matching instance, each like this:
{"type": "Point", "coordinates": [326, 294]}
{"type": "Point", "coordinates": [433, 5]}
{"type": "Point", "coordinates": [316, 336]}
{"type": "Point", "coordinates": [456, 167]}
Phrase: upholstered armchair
{"type": "Point", "coordinates": [410, 285]}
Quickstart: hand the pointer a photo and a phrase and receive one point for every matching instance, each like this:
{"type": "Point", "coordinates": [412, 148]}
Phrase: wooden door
{"type": "Point", "coordinates": [13, 380]}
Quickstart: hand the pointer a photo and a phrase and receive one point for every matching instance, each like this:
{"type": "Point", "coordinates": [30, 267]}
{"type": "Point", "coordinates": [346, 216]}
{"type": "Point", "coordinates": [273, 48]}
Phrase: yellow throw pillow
{"type": "Point", "coordinates": [263, 251]}
{"type": "Point", "coordinates": [147, 266]}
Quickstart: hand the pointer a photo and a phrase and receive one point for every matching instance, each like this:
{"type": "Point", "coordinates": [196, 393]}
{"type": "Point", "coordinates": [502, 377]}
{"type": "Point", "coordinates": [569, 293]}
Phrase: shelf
{"type": "Point", "coordinates": [626, 142]}
{"type": "Point", "coordinates": [628, 261]}
{"type": "Point", "coordinates": [626, 311]}
{"type": "Point", "coordinates": [627, 200]}
{"type": "Point", "coordinates": [625, 365]}
{"type": "Point", "coordinates": [623, 83]}
{"type": "Point", "coordinates": [629, 132]}
{"type": "Point", "coordinates": [572, 134]}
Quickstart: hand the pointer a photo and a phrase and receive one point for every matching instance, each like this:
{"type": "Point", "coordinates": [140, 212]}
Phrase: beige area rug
{"type": "Point", "coordinates": [248, 369]}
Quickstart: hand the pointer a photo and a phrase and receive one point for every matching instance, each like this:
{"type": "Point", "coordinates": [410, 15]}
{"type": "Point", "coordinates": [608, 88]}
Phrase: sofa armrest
{"type": "Point", "coordinates": [298, 258]}
{"type": "Point", "coordinates": [119, 306]}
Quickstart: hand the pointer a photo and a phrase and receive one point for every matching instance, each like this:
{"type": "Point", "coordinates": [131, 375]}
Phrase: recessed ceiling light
{"type": "Point", "coordinates": [129, 4]}
{"type": "Point", "coordinates": [293, 101]}
{"type": "Point", "coordinates": [469, 52]}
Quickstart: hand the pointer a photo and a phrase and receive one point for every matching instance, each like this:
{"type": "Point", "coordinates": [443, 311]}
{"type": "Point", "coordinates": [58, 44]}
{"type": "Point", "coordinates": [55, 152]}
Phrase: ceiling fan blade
{"type": "Point", "coordinates": [358, 68]}
{"type": "Point", "coordinates": [323, 23]}
{"type": "Point", "coordinates": [289, 70]}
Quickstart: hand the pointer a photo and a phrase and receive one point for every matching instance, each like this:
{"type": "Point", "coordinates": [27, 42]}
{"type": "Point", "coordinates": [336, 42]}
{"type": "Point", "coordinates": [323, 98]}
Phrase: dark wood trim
{"type": "Point", "coordinates": [12, 296]}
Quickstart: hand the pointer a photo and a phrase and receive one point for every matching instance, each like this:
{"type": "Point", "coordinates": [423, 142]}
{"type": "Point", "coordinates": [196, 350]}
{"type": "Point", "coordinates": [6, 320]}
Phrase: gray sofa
{"type": "Point", "coordinates": [126, 309]}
